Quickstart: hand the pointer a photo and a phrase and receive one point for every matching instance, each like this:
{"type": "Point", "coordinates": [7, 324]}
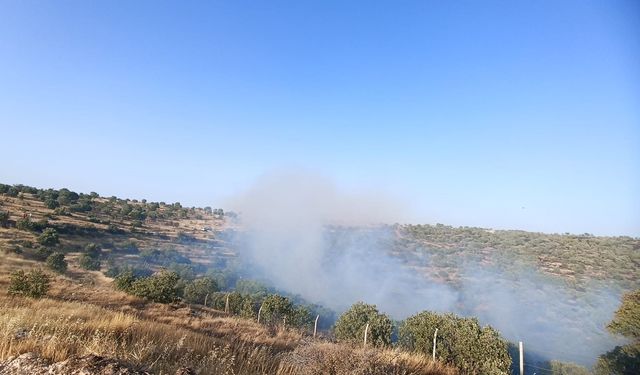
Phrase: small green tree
{"type": "Point", "coordinates": [51, 203]}
{"type": "Point", "coordinates": [92, 250]}
{"type": "Point", "coordinates": [461, 341]}
{"type": "Point", "coordinates": [34, 284]}
{"type": "Point", "coordinates": [275, 308]}
{"type": "Point", "coordinates": [4, 218]}
{"type": "Point", "coordinates": [160, 287]}
{"type": "Point", "coordinates": [49, 237]}
{"type": "Point", "coordinates": [57, 262]}
{"type": "Point", "coordinates": [124, 281]}
{"type": "Point", "coordinates": [42, 253]}
{"type": "Point", "coordinates": [197, 290]}
{"type": "Point", "coordinates": [89, 263]}
{"type": "Point", "coordinates": [351, 325]}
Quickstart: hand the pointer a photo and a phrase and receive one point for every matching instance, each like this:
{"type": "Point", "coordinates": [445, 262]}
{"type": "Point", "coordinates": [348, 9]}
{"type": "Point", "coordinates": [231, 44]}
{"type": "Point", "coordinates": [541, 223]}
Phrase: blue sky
{"type": "Point", "coordinates": [502, 114]}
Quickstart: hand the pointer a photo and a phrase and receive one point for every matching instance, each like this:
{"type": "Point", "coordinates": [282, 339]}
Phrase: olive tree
{"type": "Point", "coordinates": [197, 290]}
{"type": "Point", "coordinates": [49, 237]}
{"type": "Point", "coordinates": [275, 308]}
{"type": "Point", "coordinates": [57, 262]}
{"type": "Point", "coordinates": [34, 283]}
{"type": "Point", "coordinates": [351, 325]}
{"type": "Point", "coordinates": [160, 287]}
{"type": "Point", "coordinates": [461, 342]}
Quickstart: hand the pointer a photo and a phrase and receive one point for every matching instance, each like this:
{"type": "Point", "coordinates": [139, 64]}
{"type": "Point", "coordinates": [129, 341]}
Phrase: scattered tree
{"type": "Point", "coordinates": [4, 218]}
{"type": "Point", "coordinates": [160, 287]}
{"type": "Point", "coordinates": [34, 284]}
{"type": "Point", "coordinates": [351, 325]}
{"type": "Point", "coordinates": [461, 342]}
{"type": "Point", "coordinates": [49, 237]}
{"type": "Point", "coordinates": [197, 290]}
{"type": "Point", "coordinates": [90, 263]}
{"type": "Point", "coordinates": [57, 262]}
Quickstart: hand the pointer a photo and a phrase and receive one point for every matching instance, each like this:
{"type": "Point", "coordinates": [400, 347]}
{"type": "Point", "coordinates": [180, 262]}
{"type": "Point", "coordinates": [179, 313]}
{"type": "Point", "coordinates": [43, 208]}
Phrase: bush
{"type": "Point", "coordinates": [90, 263]}
{"type": "Point", "coordinates": [4, 218]}
{"type": "Point", "coordinates": [49, 237]}
{"type": "Point", "coordinates": [351, 325]}
{"type": "Point", "coordinates": [252, 287]}
{"type": "Point", "coordinates": [57, 262]}
{"type": "Point", "coordinates": [25, 224]}
{"type": "Point", "coordinates": [275, 308]}
{"type": "Point", "coordinates": [51, 203]}
{"type": "Point", "coordinates": [92, 250]}
{"type": "Point", "coordinates": [562, 368]}
{"type": "Point", "coordinates": [34, 284]}
{"type": "Point", "coordinates": [197, 290]}
{"type": "Point", "coordinates": [160, 287]}
{"type": "Point", "coordinates": [124, 281]}
{"type": "Point", "coordinates": [461, 342]}
{"type": "Point", "coordinates": [626, 322]}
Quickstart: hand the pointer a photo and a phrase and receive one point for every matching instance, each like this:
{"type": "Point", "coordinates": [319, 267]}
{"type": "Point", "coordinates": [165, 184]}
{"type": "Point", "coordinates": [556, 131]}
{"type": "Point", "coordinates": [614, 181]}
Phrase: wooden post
{"type": "Point", "coordinates": [521, 358]}
{"type": "Point", "coordinates": [284, 322]}
{"type": "Point", "coordinates": [435, 334]}
{"type": "Point", "coordinates": [315, 326]}
{"type": "Point", "coordinates": [259, 312]}
{"type": "Point", "coordinates": [226, 304]}
{"type": "Point", "coordinates": [366, 331]}
{"type": "Point", "coordinates": [205, 299]}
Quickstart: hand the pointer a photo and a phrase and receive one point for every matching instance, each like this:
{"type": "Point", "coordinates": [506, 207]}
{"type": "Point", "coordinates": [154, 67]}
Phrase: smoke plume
{"type": "Point", "coordinates": [307, 237]}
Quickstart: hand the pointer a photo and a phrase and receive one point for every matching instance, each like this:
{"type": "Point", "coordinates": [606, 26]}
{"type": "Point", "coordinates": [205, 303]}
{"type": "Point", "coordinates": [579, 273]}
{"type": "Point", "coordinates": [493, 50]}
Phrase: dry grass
{"type": "Point", "coordinates": [318, 358]}
{"type": "Point", "coordinates": [57, 330]}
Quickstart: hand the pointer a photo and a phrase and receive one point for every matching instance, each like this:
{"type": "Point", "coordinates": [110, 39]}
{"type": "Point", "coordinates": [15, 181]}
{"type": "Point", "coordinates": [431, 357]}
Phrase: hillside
{"type": "Point", "coordinates": [91, 303]}
{"type": "Point", "coordinates": [84, 315]}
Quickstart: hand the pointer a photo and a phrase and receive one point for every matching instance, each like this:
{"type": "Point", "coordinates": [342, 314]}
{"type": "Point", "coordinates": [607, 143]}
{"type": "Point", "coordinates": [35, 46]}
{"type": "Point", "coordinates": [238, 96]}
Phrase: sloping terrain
{"type": "Point", "coordinates": [83, 319]}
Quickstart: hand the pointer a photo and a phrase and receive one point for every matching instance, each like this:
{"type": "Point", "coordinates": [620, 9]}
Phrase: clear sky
{"type": "Point", "coordinates": [507, 114]}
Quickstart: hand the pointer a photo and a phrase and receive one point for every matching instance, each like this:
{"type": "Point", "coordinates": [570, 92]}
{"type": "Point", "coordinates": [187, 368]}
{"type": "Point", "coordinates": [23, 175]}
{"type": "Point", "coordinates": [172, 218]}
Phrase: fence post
{"type": "Point", "coordinates": [259, 312]}
{"type": "Point", "coordinates": [226, 304]}
{"type": "Point", "coordinates": [366, 331]}
{"type": "Point", "coordinates": [205, 299]}
{"type": "Point", "coordinates": [315, 326]}
{"type": "Point", "coordinates": [435, 334]}
{"type": "Point", "coordinates": [521, 349]}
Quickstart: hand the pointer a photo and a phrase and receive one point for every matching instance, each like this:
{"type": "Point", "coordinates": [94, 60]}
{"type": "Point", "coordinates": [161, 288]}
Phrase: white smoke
{"type": "Point", "coordinates": [296, 232]}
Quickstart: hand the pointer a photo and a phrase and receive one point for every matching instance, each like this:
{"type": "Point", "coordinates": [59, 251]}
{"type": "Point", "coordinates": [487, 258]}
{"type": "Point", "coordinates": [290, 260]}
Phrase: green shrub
{"type": "Point", "coordinates": [51, 203]}
{"type": "Point", "coordinates": [42, 253]}
{"type": "Point", "coordinates": [57, 262]}
{"type": "Point", "coordinates": [197, 290]}
{"type": "Point", "coordinates": [92, 250]}
{"type": "Point", "coordinates": [160, 287]}
{"type": "Point", "coordinates": [252, 287]}
{"type": "Point", "coordinates": [351, 325]}
{"type": "Point", "coordinates": [275, 308]}
{"type": "Point", "coordinates": [34, 284]}
{"type": "Point", "coordinates": [124, 281]}
{"type": "Point", "coordinates": [90, 263]}
{"type": "Point", "coordinates": [563, 368]}
{"type": "Point", "coordinates": [461, 342]}
{"type": "Point", "coordinates": [624, 359]}
{"type": "Point", "coordinates": [49, 237]}
{"type": "Point", "coordinates": [25, 224]}
{"type": "Point", "coordinates": [4, 218]}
